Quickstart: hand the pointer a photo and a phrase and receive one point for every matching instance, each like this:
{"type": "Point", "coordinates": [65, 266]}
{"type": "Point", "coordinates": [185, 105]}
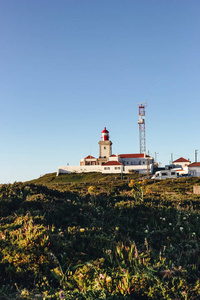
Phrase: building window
{"type": "Point", "coordinates": [164, 174]}
{"type": "Point", "coordinates": [104, 148]}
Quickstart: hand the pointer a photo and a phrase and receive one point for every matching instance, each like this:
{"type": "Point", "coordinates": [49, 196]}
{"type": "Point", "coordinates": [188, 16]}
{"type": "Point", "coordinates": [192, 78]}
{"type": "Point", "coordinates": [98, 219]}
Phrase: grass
{"type": "Point", "coordinates": [93, 236]}
{"type": "Point", "coordinates": [79, 178]}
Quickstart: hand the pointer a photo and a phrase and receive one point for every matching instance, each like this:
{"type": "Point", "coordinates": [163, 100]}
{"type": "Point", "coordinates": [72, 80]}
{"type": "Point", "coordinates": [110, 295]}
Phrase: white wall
{"type": "Point", "coordinates": [194, 171]}
{"type": "Point", "coordinates": [181, 164]}
{"type": "Point", "coordinates": [79, 169]}
{"type": "Point", "coordinates": [112, 169]}
{"type": "Point", "coordinates": [113, 158]}
{"type": "Point", "coordinates": [142, 169]}
{"type": "Point", "coordinates": [135, 161]}
{"type": "Point", "coordinates": [109, 169]}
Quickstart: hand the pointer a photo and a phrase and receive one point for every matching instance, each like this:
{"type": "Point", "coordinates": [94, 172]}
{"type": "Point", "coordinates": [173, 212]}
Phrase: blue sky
{"type": "Point", "coordinates": [68, 68]}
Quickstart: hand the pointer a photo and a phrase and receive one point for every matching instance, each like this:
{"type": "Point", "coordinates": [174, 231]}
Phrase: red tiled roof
{"type": "Point", "coordinates": [195, 164]}
{"type": "Point", "coordinates": [137, 155]}
{"type": "Point", "coordinates": [112, 163]}
{"type": "Point", "coordinates": [181, 159]}
{"type": "Point", "coordinates": [113, 155]}
{"type": "Point", "coordinates": [90, 157]}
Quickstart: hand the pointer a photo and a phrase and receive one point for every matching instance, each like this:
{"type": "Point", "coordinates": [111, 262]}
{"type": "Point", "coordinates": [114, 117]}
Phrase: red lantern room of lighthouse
{"type": "Point", "coordinates": [105, 135]}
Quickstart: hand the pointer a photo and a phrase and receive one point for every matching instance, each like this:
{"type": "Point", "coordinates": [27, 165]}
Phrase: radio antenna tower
{"type": "Point", "coordinates": [141, 123]}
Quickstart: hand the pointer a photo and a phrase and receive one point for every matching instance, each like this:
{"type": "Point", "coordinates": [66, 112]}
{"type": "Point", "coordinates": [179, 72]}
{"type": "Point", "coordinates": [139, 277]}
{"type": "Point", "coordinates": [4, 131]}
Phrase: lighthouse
{"type": "Point", "coordinates": [105, 147]}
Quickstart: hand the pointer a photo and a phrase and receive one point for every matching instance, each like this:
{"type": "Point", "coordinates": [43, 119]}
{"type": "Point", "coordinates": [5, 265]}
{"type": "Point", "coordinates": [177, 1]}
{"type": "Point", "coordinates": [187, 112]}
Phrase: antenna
{"type": "Point", "coordinates": [141, 123]}
{"type": "Point", "coordinates": [196, 155]}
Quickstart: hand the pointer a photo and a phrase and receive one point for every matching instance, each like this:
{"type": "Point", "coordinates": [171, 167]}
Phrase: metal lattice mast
{"type": "Point", "coordinates": [141, 123]}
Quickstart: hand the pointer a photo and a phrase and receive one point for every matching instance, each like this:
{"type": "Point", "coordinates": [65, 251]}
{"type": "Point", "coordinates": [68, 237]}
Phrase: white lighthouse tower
{"type": "Point", "coordinates": [105, 147]}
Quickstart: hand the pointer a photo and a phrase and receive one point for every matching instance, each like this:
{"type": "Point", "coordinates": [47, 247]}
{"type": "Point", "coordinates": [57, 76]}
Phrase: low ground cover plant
{"type": "Point", "coordinates": [135, 242]}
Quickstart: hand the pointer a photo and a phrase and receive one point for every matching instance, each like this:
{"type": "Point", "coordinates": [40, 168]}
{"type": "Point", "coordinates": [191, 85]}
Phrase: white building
{"type": "Point", "coordinates": [112, 167]}
{"type": "Point", "coordinates": [181, 162]}
{"type": "Point", "coordinates": [180, 165]}
{"type": "Point", "coordinates": [194, 169]}
{"type": "Point", "coordinates": [111, 163]}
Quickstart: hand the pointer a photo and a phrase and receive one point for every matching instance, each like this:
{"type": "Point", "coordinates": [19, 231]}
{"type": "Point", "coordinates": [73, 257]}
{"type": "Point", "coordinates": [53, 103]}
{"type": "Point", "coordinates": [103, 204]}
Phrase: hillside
{"type": "Point", "coordinates": [89, 236]}
{"type": "Point", "coordinates": [81, 181]}
{"type": "Point", "coordinates": [51, 178]}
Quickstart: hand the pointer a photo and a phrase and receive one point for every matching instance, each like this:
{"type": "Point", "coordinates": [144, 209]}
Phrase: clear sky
{"type": "Point", "coordinates": [70, 67]}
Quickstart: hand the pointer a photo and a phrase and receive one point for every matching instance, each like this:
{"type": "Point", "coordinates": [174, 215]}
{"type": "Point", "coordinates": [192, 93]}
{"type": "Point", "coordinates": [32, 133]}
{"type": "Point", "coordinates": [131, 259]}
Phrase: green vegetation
{"type": "Point", "coordinates": [80, 178]}
{"type": "Point", "coordinates": [93, 236]}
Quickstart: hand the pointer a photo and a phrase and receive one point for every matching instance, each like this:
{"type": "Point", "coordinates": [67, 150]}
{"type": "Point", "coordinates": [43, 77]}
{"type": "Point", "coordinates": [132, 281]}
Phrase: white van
{"type": "Point", "coordinates": [165, 174]}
